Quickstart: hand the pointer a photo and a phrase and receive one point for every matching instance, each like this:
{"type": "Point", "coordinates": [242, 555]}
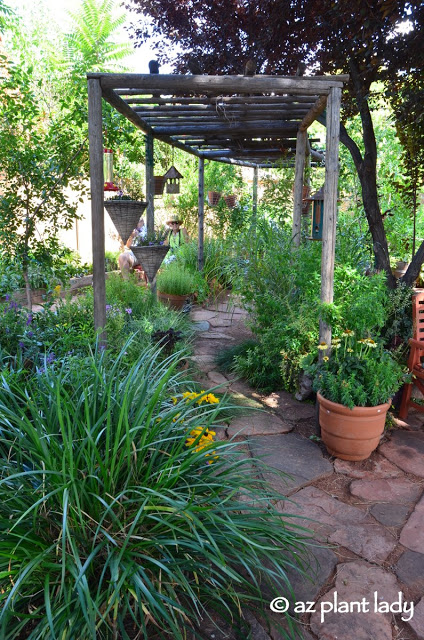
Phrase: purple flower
{"type": "Point", "coordinates": [30, 334]}
{"type": "Point", "coordinates": [108, 307]}
{"type": "Point", "coordinates": [7, 297]}
{"type": "Point", "coordinates": [21, 344]}
{"type": "Point", "coordinates": [50, 358]}
{"type": "Point", "coordinates": [29, 320]}
{"type": "Point", "coordinates": [129, 311]}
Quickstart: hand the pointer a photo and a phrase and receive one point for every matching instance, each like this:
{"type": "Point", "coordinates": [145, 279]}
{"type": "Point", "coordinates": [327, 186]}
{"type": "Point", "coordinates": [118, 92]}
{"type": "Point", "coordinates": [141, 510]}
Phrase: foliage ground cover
{"type": "Point", "coordinates": [121, 514]}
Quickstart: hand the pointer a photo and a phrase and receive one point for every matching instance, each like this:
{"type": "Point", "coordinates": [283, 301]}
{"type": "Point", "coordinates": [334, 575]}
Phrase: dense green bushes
{"type": "Point", "coordinates": [119, 511]}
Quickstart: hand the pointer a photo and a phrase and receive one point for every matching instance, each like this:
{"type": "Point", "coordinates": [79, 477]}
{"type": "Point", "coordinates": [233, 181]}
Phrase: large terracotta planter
{"type": "Point", "coordinates": [173, 301]}
{"type": "Point", "coordinates": [351, 434]}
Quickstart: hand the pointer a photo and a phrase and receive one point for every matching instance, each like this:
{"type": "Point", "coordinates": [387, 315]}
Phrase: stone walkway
{"type": "Point", "coordinates": [368, 516]}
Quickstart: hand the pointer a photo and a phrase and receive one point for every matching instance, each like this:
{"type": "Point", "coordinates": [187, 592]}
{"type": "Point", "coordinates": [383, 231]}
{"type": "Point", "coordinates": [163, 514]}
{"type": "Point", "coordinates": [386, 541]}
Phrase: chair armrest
{"type": "Point", "coordinates": [416, 343]}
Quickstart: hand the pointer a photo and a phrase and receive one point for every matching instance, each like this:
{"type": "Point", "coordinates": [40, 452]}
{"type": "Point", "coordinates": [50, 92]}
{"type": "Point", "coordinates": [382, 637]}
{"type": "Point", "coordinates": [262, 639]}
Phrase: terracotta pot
{"type": "Point", "coordinates": [230, 201]}
{"type": "Point", "coordinates": [173, 301]}
{"type": "Point", "coordinates": [351, 434]}
{"type": "Point", "coordinates": [213, 198]}
{"type": "Point", "coordinates": [401, 269]}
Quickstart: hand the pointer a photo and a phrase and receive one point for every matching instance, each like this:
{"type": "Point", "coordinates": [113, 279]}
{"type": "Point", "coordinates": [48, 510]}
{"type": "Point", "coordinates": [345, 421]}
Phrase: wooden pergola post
{"type": "Point", "coordinates": [299, 169]}
{"type": "Point", "coordinates": [95, 141]}
{"type": "Point", "coordinates": [330, 205]}
{"type": "Point", "coordinates": [150, 185]}
{"type": "Point", "coordinates": [255, 195]}
{"type": "Point", "coordinates": [201, 197]}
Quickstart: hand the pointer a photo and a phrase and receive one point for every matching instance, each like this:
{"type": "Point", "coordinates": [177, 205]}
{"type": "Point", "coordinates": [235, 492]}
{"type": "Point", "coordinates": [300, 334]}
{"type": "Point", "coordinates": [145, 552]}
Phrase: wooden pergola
{"type": "Point", "coordinates": [255, 121]}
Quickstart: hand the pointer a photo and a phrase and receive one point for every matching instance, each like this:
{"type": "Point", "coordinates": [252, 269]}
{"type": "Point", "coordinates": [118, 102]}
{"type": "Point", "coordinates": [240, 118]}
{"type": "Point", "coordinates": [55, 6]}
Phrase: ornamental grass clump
{"type": "Point", "coordinates": [355, 372]}
{"type": "Point", "coordinates": [176, 280]}
{"type": "Point", "coordinates": [113, 522]}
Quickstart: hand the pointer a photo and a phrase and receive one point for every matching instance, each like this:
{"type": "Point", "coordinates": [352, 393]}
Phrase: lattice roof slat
{"type": "Point", "coordinates": [245, 120]}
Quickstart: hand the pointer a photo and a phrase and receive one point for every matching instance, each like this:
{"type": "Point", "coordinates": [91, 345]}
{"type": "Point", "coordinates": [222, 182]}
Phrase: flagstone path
{"type": "Point", "coordinates": [367, 516]}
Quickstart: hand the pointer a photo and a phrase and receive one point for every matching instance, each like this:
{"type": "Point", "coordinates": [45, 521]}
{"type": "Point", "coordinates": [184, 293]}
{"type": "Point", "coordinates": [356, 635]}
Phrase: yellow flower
{"type": "Point", "coordinates": [57, 290]}
{"type": "Point", "coordinates": [326, 358]}
{"type": "Point", "coordinates": [323, 346]}
{"type": "Point", "coordinates": [371, 343]}
{"type": "Point", "coordinates": [336, 340]}
{"type": "Point", "coordinates": [349, 350]}
{"type": "Point", "coordinates": [348, 332]}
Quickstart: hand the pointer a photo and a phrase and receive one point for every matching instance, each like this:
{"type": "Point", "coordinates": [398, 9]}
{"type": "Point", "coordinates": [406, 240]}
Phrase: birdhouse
{"type": "Point", "coordinates": [173, 177]}
{"type": "Point", "coordinates": [317, 200]}
{"type": "Point", "coordinates": [108, 171]}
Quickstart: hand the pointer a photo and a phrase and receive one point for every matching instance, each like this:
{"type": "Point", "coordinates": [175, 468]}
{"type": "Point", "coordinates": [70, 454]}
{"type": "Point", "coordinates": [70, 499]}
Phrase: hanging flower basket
{"type": "Point", "coordinates": [150, 258]}
{"type": "Point", "coordinates": [159, 185]}
{"type": "Point", "coordinates": [125, 215]}
{"type": "Point", "coordinates": [213, 198]}
{"type": "Point", "coordinates": [230, 201]}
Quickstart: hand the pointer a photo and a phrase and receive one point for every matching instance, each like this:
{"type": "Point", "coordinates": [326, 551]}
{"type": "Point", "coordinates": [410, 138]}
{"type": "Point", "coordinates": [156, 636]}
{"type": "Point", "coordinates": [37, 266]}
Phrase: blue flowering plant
{"type": "Point", "coordinates": [355, 372]}
{"type": "Point", "coordinates": [151, 238]}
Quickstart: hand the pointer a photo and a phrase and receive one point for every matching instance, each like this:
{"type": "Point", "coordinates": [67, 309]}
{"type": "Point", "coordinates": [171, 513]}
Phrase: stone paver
{"type": "Point", "coordinates": [199, 315]}
{"type": "Point", "coordinates": [321, 564]}
{"type": "Point", "coordinates": [356, 582]}
{"type": "Point", "coordinates": [406, 450]}
{"type": "Point", "coordinates": [391, 515]}
{"type": "Point", "coordinates": [257, 423]}
{"type": "Point", "coordinates": [376, 467]}
{"type": "Point", "coordinates": [215, 335]}
{"type": "Point", "coordinates": [395, 490]}
{"type": "Point", "coordinates": [288, 453]}
{"type": "Point", "coordinates": [417, 621]}
{"type": "Point", "coordinates": [410, 570]}
{"type": "Point", "coordinates": [340, 523]}
{"type": "Point", "coordinates": [201, 326]}
{"type": "Point", "coordinates": [220, 322]}
{"type": "Point", "coordinates": [412, 535]}
{"type": "Point", "coordinates": [284, 404]}
{"type": "Point", "coordinates": [217, 378]}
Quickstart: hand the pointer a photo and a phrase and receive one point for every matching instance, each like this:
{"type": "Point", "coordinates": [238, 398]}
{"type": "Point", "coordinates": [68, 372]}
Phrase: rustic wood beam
{"type": "Point", "coordinates": [201, 211]}
{"type": "Point", "coordinates": [298, 185]}
{"type": "Point", "coordinates": [330, 206]}
{"type": "Point", "coordinates": [150, 184]}
{"type": "Point", "coordinates": [121, 106]}
{"type": "Point", "coordinates": [95, 141]}
{"type": "Point", "coordinates": [218, 109]}
{"type": "Point", "coordinates": [220, 84]}
{"type": "Point", "coordinates": [254, 129]}
{"type": "Point", "coordinates": [313, 113]}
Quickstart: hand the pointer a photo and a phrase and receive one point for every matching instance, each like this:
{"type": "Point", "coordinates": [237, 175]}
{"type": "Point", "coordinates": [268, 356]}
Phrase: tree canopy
{"type": "Point", "coordinates": [372, 41]}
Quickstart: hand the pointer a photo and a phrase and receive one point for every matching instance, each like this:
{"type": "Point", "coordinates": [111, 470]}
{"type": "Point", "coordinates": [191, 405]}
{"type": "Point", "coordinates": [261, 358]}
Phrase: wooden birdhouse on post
{"type": "Point", "coordinates": [317, 200]}
{"type": "Point", "coordinates": [173, 177]}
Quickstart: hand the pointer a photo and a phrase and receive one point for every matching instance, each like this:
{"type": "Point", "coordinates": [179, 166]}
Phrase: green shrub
{"type": "Point", "coordinates": [120, 514]}
{"type": "Point", "coordinates": [175, 280]}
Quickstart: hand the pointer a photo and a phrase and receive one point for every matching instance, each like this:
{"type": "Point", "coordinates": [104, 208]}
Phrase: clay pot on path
{"type": "Point", "coordinates": [351, 434]}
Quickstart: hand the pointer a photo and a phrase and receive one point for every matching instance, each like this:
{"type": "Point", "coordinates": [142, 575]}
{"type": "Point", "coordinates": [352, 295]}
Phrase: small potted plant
{"type": "Point", "coordinates": [355, 384]}
{"type": "Point", "coordinates": [175, 285]}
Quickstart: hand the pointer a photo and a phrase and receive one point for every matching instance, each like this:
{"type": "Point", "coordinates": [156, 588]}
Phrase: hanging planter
{"type": "Point", "coordinates": [230, 201]}
{"type": "Point", "coordinates": [173, 177]}
{"type": "Point", "coordinates": [150, 258]}
{"type": "Point", "coordinates": [159, 185]}
{"type": "Point", "coordinates": [213, 198]}
{"type": "Point", "coordinates": [125, 215]}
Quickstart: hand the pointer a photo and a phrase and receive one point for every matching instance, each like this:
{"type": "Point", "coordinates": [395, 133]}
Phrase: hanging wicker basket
{"type": "Point", "coordinates": [125, 215]}
{"type": "Point", "coordinates": [230, 201]}
{"type": "Point", "coordinates": [150, 258]}
{"type": "Point", "coordinates": [159, 185]}
{"type": "Point", "coordinates": [213, 198]}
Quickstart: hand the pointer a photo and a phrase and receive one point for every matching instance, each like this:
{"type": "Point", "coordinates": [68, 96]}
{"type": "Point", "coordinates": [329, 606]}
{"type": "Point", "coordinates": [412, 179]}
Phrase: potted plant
{"type": "Point", "coordinates": [175, 284]}
{"type": "Point", "coordinates": [355, 384]}
{"type": "Point", "coordinates": [125, 210]}
{"type": "Point", "coordinates": [150, 250]}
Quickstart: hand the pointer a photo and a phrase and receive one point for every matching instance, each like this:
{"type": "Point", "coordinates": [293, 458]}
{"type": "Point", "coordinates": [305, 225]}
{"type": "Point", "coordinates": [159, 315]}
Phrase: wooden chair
{"type": "Point", "coordinates": [414, 362]}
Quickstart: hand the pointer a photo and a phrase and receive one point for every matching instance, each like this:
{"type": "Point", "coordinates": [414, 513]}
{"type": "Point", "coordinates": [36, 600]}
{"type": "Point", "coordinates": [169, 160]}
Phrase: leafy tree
{"type": "Point", "coordinates": [357, 37]}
